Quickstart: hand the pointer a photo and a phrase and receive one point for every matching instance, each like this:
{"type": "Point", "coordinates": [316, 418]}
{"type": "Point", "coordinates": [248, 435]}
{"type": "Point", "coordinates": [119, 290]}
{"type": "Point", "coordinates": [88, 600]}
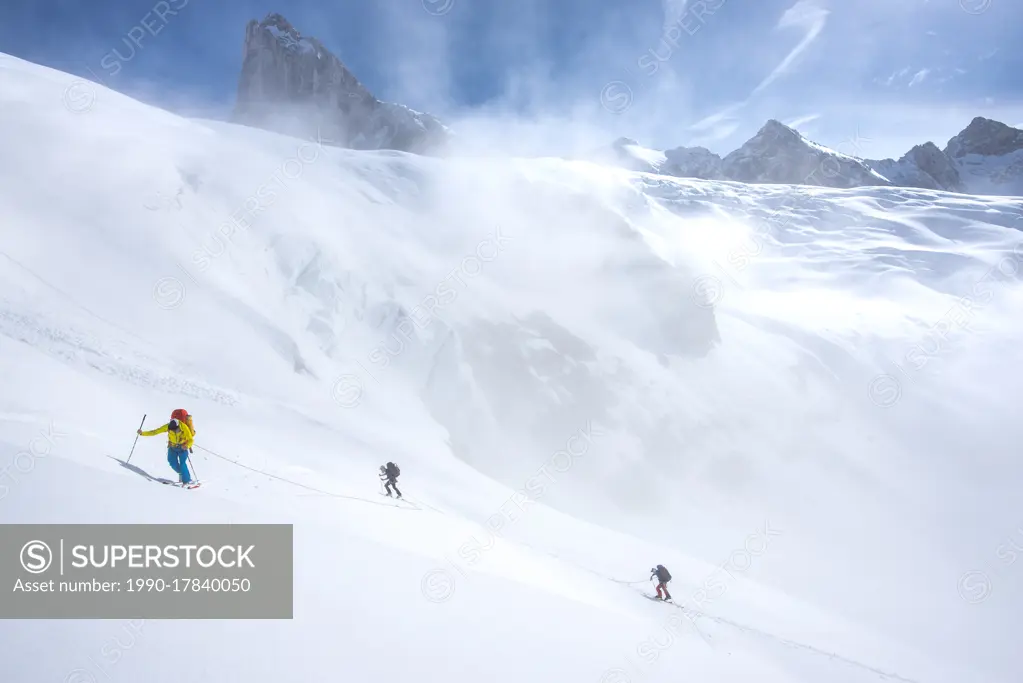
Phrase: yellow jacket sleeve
{"type": "Point", "coordinates": [154, 432]}
{"type": "Point", "coordinates": [184, 437]}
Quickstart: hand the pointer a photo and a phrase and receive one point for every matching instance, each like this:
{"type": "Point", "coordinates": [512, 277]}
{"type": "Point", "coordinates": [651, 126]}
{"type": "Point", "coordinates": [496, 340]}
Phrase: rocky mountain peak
{"type": "Point", "coordinates": [928, 149]}
{"type": "Point", "coordinates": [986, 137]}
{"type": "Point", "coordinates": [936, 164]}
{"type": "Point", "coordinates": [294, 85]}
{"type": "Point", "coordinates": [274, 19]}
{"type": "Point", "coordinates": [779, 154]}
{"type": "Point", "coordinates": [777, 130]}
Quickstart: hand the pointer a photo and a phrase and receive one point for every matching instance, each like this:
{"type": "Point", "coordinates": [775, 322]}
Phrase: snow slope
{"type": "Point", "coordinates": [993, 174]}
{"type": "Point", "coordinates": [644, 155]}
{"type": "Point", "coordinates": [774, 391]}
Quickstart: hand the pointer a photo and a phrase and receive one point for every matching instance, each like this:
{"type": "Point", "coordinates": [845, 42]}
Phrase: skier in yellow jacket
{"type": "Point", "coordinates": [179, 442]}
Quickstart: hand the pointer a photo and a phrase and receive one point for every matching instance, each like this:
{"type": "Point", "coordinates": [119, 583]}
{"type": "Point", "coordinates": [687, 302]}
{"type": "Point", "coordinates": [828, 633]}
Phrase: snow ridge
{"type": "Point", "coordinates": [985, 158]}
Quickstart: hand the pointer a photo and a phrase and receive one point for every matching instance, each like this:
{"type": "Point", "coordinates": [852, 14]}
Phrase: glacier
{"type": "Point", "coordinates": [805, 395]}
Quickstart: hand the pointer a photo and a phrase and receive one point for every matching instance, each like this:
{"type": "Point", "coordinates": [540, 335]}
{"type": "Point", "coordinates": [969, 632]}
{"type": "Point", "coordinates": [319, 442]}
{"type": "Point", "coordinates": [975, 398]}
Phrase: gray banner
{"type": "Point", "coordinates": [146, 571]}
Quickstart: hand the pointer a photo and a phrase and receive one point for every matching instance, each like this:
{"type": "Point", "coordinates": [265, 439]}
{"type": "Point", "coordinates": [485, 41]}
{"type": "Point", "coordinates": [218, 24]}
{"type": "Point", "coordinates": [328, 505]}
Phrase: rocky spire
{"type": "Point", "coordinates": [292, 84]}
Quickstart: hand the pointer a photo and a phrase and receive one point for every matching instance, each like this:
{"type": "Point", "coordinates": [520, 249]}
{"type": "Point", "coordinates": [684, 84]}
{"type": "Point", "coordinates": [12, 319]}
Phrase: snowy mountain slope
{"type": "Point", "coordinates": [776, 154]}
{"type": "Point", "coordinates": [986, 157]}
{"type": "Point", "coordinates": [924, 166]}
{"type": "Point", "coordinates": [993, 174]}
{"type": "Point", "coordinates": [686, 162]}
{"type": "Point", "coordinates": [649, 160]}
{"type": "Point", "coordinates": [627, 153]}
{"type": "Point", "coordinates": [703, 356]}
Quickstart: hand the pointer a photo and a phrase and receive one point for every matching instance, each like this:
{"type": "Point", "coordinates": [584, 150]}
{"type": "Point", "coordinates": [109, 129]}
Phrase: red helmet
{"type": "Point", "coordinates": [179, 414]}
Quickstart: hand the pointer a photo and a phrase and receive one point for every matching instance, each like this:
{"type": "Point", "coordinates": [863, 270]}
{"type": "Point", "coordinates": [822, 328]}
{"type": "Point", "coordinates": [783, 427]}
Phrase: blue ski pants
{"type": "Point", "coordinates": [177, 458]}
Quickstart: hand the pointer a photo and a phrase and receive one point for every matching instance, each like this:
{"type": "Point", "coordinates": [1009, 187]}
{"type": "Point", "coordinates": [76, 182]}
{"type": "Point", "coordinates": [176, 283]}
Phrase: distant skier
{"type": "Point", "coordinates": [389, 473]}
{"type": "Point", "coordinates": [663, 577]}
{"type": "Point", "coordinates": [179, 443]}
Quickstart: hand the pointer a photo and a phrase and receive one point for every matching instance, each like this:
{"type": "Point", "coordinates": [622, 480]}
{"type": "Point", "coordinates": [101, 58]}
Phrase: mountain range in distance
{"type": "Point", "coordinates": [292, 84]}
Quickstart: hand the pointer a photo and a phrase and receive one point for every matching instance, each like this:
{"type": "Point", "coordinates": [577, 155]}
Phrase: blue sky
{"type": "Point", "coordinates": [870, 77]}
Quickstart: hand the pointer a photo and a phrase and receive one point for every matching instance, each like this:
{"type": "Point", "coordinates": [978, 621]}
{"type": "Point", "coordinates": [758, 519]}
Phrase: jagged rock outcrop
{"type": "Point", "coordinates": [985, 137]}
{"type": "Point", "coordinates": [925, 166]}
{"type": "Point", "coordinates": [986, 157]}
{"type": "Point", "coordinates": [694, 162]}
{"type": "Point", "coordinates": [935, 163]}
{"type": "Point", "coordinates": [293, 85]}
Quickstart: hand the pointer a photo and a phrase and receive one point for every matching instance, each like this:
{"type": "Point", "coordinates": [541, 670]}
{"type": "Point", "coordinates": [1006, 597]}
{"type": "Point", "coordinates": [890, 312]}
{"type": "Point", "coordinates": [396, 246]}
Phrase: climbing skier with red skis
{"type": "Point", "coordinates": [180, 432]}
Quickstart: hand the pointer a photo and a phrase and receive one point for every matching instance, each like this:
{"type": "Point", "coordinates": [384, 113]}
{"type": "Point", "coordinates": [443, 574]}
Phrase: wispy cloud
{"type": "Point", "coordinates": [721, 131]}
{"type": "Point", "coordinates": [802, 120]}
{"type": "Point", "coordinates": [725, 122]}
{"type": "Point", "coordinates": [919, 77]}
{"type": "Point", "coordinates": [717, 118]}
{"type": "Point", "coordinates": [896, 75]}
{"type": "Point", "coordinates": [804, 15]}
{"type": "Point", "coordinates": [673, 11]}
{"type": "Point", "coordinates": [718, 126]}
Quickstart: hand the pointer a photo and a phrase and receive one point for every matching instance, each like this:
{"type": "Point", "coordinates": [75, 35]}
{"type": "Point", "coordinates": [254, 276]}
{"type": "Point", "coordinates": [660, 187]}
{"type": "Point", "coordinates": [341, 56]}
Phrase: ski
{"type": "Point", "coordinates": [192, 485]}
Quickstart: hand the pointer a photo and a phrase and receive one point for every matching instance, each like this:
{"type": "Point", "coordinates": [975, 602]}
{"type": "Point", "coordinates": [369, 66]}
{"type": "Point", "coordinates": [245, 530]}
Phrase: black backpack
{"type": "Point", "coordinates": [667, 574]}
{"type": "Point", "coordinates": [393, 470]}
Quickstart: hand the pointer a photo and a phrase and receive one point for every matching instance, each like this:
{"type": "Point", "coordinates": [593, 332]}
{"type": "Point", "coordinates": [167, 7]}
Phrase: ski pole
{"type": "Point", "coordinates": [188, 462]}
{"type": "Point", "coordinates": [136, 438]}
